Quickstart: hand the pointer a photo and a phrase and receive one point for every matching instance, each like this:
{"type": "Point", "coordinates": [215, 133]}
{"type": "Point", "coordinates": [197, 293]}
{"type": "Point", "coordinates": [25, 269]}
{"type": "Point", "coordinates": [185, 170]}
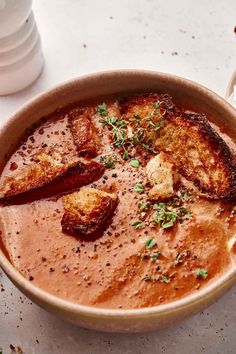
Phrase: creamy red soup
{"type": "Point", "coordinates": [123, 202]}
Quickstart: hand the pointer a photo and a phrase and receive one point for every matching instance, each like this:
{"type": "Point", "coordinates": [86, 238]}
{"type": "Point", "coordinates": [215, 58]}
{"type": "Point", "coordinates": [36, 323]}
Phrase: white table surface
{"type": "Point", "coordinates": [194, 39]}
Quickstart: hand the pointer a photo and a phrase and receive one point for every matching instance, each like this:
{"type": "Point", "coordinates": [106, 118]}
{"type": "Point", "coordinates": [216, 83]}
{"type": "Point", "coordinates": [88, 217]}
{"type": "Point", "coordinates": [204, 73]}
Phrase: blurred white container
{"type": "Point", "coordinates": [21, 59]}
{"type": "Point", "coordinates": [231, 90]}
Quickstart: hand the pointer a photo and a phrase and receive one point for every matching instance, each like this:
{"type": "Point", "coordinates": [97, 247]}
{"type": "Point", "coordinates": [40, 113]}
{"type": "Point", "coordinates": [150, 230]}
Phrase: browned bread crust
{"type": "Point", "coordinates": [49, 176]}
{"type": "Point", "coordinates": [87, 211]}
{"type": "Point", "coordinates": [83, 131]}
{"type": "Point", "coordinates": [148, 110]}
{"type": "Point", "coordinates": [199, 154]}
{"type": "Point", "coordinates": [194, 147]}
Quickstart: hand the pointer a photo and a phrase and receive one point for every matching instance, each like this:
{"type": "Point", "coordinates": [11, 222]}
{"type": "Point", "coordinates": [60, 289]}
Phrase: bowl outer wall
{"type": "Point", "coordinates": [185, 93]}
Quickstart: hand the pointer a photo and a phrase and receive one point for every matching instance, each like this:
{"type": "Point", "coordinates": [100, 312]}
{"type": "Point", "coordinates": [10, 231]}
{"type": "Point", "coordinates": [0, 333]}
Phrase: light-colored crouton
{"type": "Point", "coordinates": [160, 175]}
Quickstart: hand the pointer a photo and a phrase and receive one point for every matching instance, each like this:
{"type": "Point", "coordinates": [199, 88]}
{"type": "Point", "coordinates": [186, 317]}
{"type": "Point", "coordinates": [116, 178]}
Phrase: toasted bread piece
{"type": "Point", "coordinates": [194, 147]}
{"type": "Point", "coordinates": [161, 177]}
{"type": "Point", "coordinates": [83, 131]}
{"type": "Point", "coordinates": [199, 154]}
{"type": "Point", "coordinates": [148, 111]}
{"type": "Point", "coordinates": [87, 211]}
{"type": "Point", "coordinates": [145, 116]}
{"type": "Point", "coordinates": [50, 174]}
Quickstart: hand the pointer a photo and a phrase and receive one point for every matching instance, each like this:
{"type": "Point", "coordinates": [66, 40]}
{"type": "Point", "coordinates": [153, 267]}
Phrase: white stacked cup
{"type": "Point", "coordinates": [21, 58]}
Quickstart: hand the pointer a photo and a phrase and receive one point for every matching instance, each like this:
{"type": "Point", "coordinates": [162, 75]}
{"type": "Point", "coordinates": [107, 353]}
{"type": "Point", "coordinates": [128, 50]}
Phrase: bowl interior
{"type": "Point", "coordinates": [185, 93]}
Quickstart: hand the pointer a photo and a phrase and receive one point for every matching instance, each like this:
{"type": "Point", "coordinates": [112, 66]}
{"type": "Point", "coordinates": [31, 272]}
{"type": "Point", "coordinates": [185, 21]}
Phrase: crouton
{"type": "Point", "coordinates": [83, 131]}
{"type": "Point", "coordinates": [50, 174]}
{"type": "Point", "coordinates": [87, 211]}
{"type": "Point", "coordinates": [161, 176]}
{"type": "Point", "coordinates": [193, 146]}
{"type": "Point", "coordinates": [199, 154]}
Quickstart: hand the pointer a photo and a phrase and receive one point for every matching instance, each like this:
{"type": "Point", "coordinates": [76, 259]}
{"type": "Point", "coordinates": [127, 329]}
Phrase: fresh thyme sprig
{"type": "Point", "coordinates": [155, 113]}
{"type": "Point", "coordinates": [119, 127]}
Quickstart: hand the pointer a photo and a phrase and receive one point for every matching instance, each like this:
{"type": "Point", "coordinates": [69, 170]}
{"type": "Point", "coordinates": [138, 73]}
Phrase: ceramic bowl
{"type": "Point", "coordinates": [231, 90]}
{"type": "Point", "coordinates": [185, 93]}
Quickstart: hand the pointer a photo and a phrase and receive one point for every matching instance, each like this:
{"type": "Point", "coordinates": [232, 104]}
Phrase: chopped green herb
{"type": "Point", "coordinates": [138, 136]}
{"type": "Point", "coordinates": [182, 212]}
{"type": "Point", "coordinates": [155, 256]}
{"type": "Point", "coordinates": [159, 206]}
{"type": "Point", "coordinates": [144, 256]}
{"type": "Point", "coordinates": [119, 129]}
{"type": "Point", "coordinates": [108, 161]}
{"type": "Point", "coordinates": [187, 214]}
{"type": "Point", "coordinates": [167, 216]}
{"type": "Point", "coordinates": [168, 224]}
{"type": "Point", "coordinates": [102, 109]}
{"type": "Point", "coordinates": [186, 196]}
{"type": "Point", "coordinates": [164, 279]}
{"type": "Point", "coordinates": [134, 163]}
{"type": "Point", "coordinates": [157, 125]}
{"type": "Point", "coordinates": [139, 188]}
{"type": "Point", "coordinates": [157, 115]}
{"type": "Point", "coordinates": [175, 202]}
{"type": "Point", "coordinates": [119, 134]}
{"type": "Point", "coordinates": [148, 146]}
{"type": "Point", "coordinates": [125, 155]}
{"type": "Point", "coordinates": [201, 273]}
{"type": "Point", "coordinates": [110, 121]}
{"type": "Point", "coordinates": [137, 224]}
{"type": "Point", "coordinates": [143, 205]}
{"type": "Point", "coordinates": [150, 242]}
{"type": "Point", "coordinates": [147, 278]}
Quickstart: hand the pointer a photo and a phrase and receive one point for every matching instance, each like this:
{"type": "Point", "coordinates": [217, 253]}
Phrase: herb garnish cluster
{"type": "Point", "coordinates": [141, 131]}
{"type": "Point", "coordinates": [124, 137]}
{"type": "Point", "coordinates": [168, 215]}
{"type": "Point", "coordinates": [154, 257]}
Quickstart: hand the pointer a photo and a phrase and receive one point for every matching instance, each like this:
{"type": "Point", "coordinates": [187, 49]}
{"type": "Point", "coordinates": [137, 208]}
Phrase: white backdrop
{"type": "Point", "coordinates": [194, 39]}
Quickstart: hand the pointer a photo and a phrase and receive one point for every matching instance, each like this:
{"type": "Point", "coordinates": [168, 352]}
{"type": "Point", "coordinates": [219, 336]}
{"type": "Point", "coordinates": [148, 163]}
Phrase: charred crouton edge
{"type": "Point", "coordinates": [88, 211]}
{"type": "Point", "coordinates": [217, 160]}
{"type": "Point", "coordinates": [83, 131]}
{"type": "Point", "coordinates": [143, 105]}
{"type": "Point", "coordinates": [46, 179]}
{"type": "Point", "coordinates": [196, 150]}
